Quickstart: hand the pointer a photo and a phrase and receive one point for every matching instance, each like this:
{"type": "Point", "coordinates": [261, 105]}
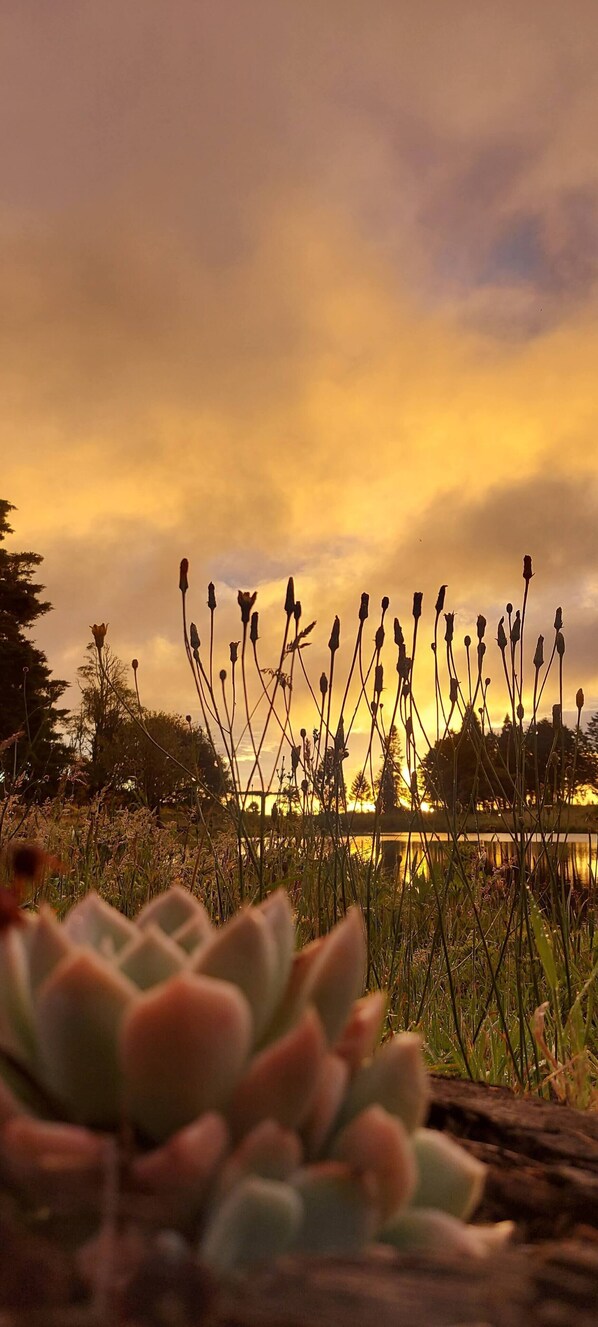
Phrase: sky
{"type": "Point", "coordinates": [303, 288]}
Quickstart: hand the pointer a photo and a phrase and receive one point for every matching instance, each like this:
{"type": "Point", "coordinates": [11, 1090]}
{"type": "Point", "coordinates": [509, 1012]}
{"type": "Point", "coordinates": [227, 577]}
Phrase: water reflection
{"type": "Point", "coordinates": [575, 854]}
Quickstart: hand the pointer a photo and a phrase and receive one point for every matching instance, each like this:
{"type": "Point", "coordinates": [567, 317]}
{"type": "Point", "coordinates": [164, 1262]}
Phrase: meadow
{"type": "Point", "coordinates": [494, 964]}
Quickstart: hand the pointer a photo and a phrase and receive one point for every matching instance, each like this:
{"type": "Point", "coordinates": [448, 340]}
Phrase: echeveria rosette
{"type": "Point", "coordinates": [264, 1120]}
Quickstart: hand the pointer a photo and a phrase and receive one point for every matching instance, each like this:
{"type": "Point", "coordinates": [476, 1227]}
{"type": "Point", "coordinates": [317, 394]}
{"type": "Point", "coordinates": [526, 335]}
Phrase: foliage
{"type": "Point", "coordinates": [30, 746]}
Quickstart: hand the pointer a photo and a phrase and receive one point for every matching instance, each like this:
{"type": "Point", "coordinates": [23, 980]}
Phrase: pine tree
{"type": "Point", "coordinates": [29, 742]}
{"type": "Point", "coordinates": [389, 777]}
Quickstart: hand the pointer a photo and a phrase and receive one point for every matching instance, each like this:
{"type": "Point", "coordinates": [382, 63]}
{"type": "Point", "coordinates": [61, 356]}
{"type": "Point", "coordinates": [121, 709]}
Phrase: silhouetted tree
{"type": "Point", "coordinates": [361, 789]}
{"type": "Point", "coordinates": [389, 777]}
{"type": "Point", "coordinates": [95, 727]}
{"type": "Point", "coordinates": [167, 760]}
{"type": "Point", "coordinates": [30, 742]}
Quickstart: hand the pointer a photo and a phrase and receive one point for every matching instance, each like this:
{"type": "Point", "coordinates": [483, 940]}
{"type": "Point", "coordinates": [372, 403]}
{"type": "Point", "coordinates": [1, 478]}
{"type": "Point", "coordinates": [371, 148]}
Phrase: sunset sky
{"type": "Point", "coordinates": [300, 287]}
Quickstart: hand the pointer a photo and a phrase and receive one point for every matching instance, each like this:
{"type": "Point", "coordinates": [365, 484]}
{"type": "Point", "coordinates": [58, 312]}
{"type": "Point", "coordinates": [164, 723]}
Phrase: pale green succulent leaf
{"type": "Point", "coordinates": [256, 1222]}
{"type": "Point", "coordinates": [196, 931]}
{"type": "Point", "coordinates": [149, 958]}
{"type": "Point", "coordinates": [362, 1032]}
{"type": "Point", "coordinates": [183, 1047]}
{"type": "Point", "coordinates": [243, 952]}
{"type": "Point", "coordinates": [338, 1215]}
{"type": "Point", "coordinates": [448, 1177]}
{"type": "Point", "coordinates": [47, 945]}
{"type": "Point", "coordinates": [396, 1079]}
{"type": "Point", "coordinates": [93, 922]}
{"type": "Point", "coordinates": [79, 1011]}
{"type": "Point", "coordinates": [428, 1231]}
{"type": "Point", "coordinates": [181, 1172]}
{"type": "Point", "coordinates": [172, 910]}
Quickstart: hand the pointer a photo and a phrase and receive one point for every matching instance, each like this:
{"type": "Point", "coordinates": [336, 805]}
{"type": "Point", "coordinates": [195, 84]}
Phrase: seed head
{"type": "Point", "coordinates": [558, 619]}
{"type": "Point", "coordinates": [580, 700]}
{"type": "Point", "coordinates": [134, 664]}
{"type": "Point", "coordinates": [385, 603]}
{"type": "Point", "coordinates": [211, 597]}
{"type": "Point", "coordinates": [379, 679]}
{"type": "Point", "coordinates": [454, 690]}
{"type": "Point", "coordinates": [183, 575]}
{"type": "Point", "coordinates": [364, 607]}
{"type": "Point", "coordinates": [98, 632]}
{"type": "Point", "coordinates": [527, 568]}
{"type": "Point", "coordinates": [440, 600]}
{"type": "Point", "coordinates": [379, 637]}
{"type": "Point", "coordinates": [417, 604]}
{"type": "Point", "coordinates": [289, 602]}
{"type": "Point", "coordinates": [398, 630]}
{"type": "Point", "coordinates": [335, 636]}
{"type": "Point", "coordinates": [222, 674]}
{"type": "Point", "coordinates": [323, 684]}
{"type": "Point", "coordinates": [481, 626]}
{"type": "Point", "coordinates": [516, 628]}
{"type": "Point", "coordinates": [467, 642]}
{"type": "Point", "coordinates": [520, 712]}
{"type": "Point", "coordinates": [246, 600]}
{"type": "Point", "coordinates": [539, 655]}
{"type": "Point", "coordinates": [450, 627]}
{"type": "Point", "coordinates": [560, 644]}
{"type": "Point", "coordinates": [501, 636]}
{"type": "Point", "coordinates": [297, 611]}
{"type": "Point", "coordinates": [509, 609]}
{"type": "Point", "coordinates": [194, 637]}
{"type": "Point", "coordinates": [234, 651]}
{"type": "Point", "coordinates": [556, 718]}
{"type": "Point", "coordinates": [253, 632]}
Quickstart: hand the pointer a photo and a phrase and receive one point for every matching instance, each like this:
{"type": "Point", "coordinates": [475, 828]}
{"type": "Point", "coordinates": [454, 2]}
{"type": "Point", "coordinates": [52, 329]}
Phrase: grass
{"type": "Point", "coordinates": [496, 968]}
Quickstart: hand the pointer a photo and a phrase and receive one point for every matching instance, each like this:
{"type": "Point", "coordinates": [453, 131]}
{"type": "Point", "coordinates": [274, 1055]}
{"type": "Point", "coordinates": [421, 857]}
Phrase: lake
{"type": "Point", "coordinates": [578, 853]}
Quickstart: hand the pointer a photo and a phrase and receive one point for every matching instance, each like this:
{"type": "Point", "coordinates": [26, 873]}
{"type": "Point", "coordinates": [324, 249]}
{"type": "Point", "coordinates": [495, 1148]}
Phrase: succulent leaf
{"type": "Point", "coordinates": [93, 922]}
{"type": "Point", "coordinates": [257, 1221]}
{"type": "Point", "coordinates": [183, 1048]}
{"type": "Point", "coordinates": [448, 1177]}
{"type": "Point", "coordinates": [362, 1032]}
{"type": "Point", "coordinates": [172, 910]}
{"type": "Point", "coordinates": [182, 1170]}
{"type": "Point", "coordinates": [268, 1150]}
{"type": "Point", "coordinates": [396, 1079]}
{"type": "Point", "coordinates": [278, 913]}
{"type": "Point", "coordinates": [47, 944]}
{"type": "Point", "coordinates": [193, 933]}
{"type": "Point", "coordinates": [339, 1215]}
{"type": "Point", "coordinates": [326, 1104]}
{"type": "Point", "coordinates": [149, 958]}
{"type": "Point", "coordinates": [376, 1144]}
{"type": "Point", "coordinates": [281, 1081]}
{"type": "Point", "coordinates": [16, 1014]}
{"type": "Point", "coordinates": [243, 952]}
{"type": "Point", "coordinates": [424, 1229]}
{"type": "Point", "coordinates": [338, 974]}
{"type": "Point", "coordinates": [79, 1010]}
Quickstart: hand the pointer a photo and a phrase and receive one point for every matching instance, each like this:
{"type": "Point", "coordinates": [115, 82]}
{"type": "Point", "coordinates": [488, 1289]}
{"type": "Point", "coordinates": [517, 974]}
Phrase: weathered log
{"type": "Point", "coordinates": [542, 1173]}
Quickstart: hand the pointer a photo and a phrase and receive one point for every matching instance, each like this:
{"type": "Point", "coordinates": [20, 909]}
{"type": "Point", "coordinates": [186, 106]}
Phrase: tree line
{"type": "Point", "coordinates": [110, 742]}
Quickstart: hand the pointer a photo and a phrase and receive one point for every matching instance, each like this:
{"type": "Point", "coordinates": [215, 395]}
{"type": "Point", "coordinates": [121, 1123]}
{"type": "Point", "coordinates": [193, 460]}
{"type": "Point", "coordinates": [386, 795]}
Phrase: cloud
{"type": "Point", "coordinates": [298, 291]}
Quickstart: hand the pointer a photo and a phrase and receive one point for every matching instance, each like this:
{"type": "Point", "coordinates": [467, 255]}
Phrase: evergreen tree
{"type": "Point", "coordinates": [30, 745]}
{"type": "Point", "coordinates": [389, 777]}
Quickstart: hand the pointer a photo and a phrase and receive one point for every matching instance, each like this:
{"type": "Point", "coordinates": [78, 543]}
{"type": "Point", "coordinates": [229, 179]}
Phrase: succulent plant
{"type": "Point", "coordinates": [243, 1077]}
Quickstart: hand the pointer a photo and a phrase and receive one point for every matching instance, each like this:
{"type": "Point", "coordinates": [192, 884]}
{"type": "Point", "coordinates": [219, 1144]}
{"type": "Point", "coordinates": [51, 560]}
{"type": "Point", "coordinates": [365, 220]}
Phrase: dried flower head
{"type": "Point", "coordinates": [580, 700]}
{"type": "Point", "coordinates": [539, 654]}
{"type": "Point", "coordinates": [440, 600]}
{"type": "Point", "coordinates": [211, 597]}
{"type": "Point", "coordinates": [253, 630]}
{"type": "Point", "coordinates": [246, 600]}
{"type": "Point", "coordinates": [289, 602]}
{"type": "Point", "coordinates": [98, 631]}
{"type": "Point", "coordinates": [183, 575]}
{"type": "Point", "coordinates": [364, 607]}
{"type": "Point", "coordinates": [335, 635]}
{"type": "Point", "coordinates": [417, 604]}
{"type": "Point", "coordinates": [527, 568]}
